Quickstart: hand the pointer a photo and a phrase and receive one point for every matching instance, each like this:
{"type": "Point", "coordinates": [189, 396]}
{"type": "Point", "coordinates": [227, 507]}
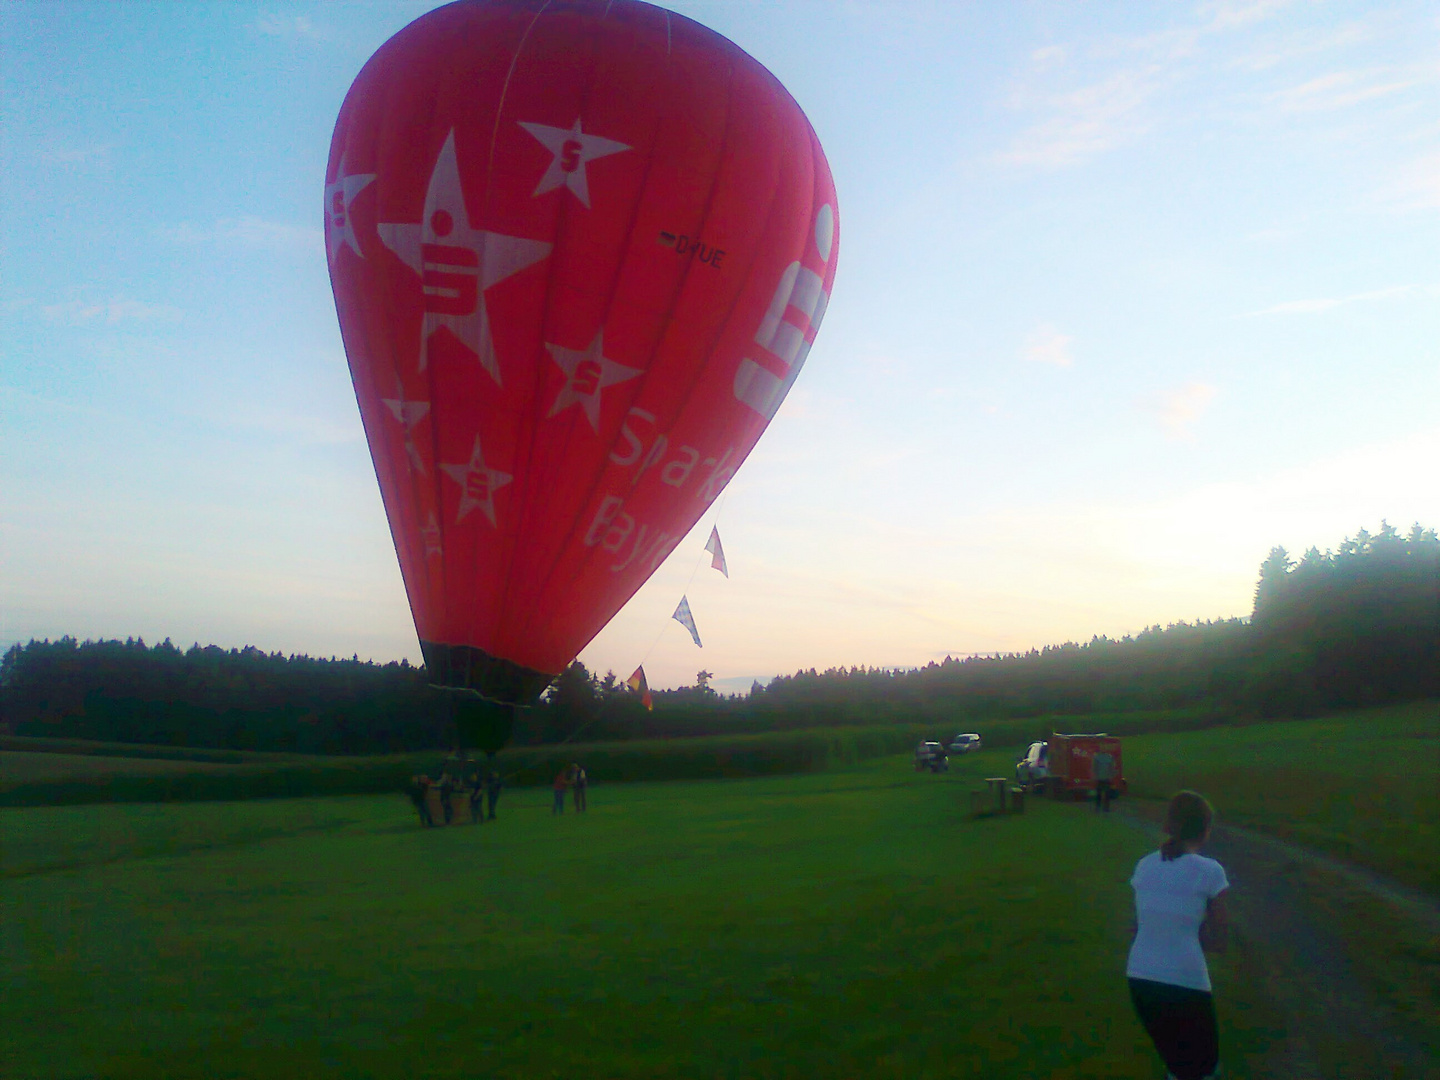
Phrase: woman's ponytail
{"type": "Point", "coordinates": [1187, 819]}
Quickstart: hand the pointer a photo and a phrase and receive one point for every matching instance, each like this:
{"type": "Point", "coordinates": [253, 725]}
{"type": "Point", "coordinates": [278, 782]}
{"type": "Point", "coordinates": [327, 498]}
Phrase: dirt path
{"type": "Point", "coordinates": [1294, 918]}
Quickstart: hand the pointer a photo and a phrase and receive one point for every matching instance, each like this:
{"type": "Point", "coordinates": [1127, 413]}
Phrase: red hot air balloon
{"type": "Point", "coordinates": [579, 253]}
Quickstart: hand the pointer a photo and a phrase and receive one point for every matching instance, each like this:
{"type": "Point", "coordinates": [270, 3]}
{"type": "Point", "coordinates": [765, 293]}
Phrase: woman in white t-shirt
{"type": "Point", "coordinates": [1179, 916]}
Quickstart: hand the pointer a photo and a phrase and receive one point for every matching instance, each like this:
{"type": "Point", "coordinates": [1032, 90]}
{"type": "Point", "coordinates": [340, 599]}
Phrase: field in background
{"type": "Point", "coordinates": [28, 778]}
{"type": "Point", "coordinates": [842, 924]}
{"type": "Point", "coordinates": [33, 771]}
{"type": "Point", "coordinates": [1360, 785]}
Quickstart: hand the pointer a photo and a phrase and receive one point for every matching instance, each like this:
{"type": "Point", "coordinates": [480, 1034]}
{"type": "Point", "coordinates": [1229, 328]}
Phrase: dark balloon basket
{"type": "Point", "coordinates": [460, 808]}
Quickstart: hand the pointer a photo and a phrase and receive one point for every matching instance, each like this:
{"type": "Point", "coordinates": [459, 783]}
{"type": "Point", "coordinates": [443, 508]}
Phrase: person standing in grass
{"type": "Point", "coordinates": [418, 790]}
{"type": "Point", "coordinates": [477, 798]}
{"type": "Point", "coordinates": [447, 787]}
{"type": "Point", "coordinates": [1179, 916]}
{"type": "Point", "coordinates": [562, 781]}
{"type": "Point", "coordinates": [493, 784]}
{"type": "Point", "coordinates": [581, 783]}
{"type": "Point", "coordinates": [1102, 766]}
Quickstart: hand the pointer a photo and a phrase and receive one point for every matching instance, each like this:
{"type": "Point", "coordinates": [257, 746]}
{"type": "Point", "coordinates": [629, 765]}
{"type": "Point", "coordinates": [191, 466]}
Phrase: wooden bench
{"type": "Point", "coordinates": [999, 797]}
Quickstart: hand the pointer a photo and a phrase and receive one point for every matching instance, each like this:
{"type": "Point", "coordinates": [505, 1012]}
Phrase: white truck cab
{"type": "Point", "coordinates": [1033, 768]}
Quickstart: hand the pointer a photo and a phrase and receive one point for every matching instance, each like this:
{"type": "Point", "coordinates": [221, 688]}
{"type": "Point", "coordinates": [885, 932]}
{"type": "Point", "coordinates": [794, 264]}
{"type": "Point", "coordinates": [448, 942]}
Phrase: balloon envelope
{"type": "Point", "coordinates": [579, 253]}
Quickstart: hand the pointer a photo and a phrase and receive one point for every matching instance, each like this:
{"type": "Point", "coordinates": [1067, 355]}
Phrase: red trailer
{"type": "Point", "coordinates": [1068, 760]}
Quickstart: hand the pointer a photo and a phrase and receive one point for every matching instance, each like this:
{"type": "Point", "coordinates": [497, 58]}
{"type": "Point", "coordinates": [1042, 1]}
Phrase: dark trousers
{"type": "Point", "coordinates": [1181, 1024]}
{"type": "Point", "coordinates": [493, 798]}
{"type": "Point", "coordinates": [559, 807]}
{"type": "Point", "coordinates": [1104, 792]}
{"type": "Point", "coordinates": [579, 798]}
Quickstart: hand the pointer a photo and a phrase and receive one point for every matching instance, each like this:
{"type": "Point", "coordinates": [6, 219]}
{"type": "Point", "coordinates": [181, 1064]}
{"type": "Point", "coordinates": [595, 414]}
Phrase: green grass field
{"type": "Point", "coordinates": [833, 925]}
{"type": "Point", "coordinates": [1360, 785]}
{"type": "Point", "coordinates": [840, 923]}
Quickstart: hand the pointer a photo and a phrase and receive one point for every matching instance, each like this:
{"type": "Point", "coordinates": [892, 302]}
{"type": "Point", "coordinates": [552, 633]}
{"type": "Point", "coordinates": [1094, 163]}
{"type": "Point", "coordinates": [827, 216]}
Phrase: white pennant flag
{"type": "Point", "coordinates": [713, 546]}
{"type": "Point", "coordinates": [684, 618]}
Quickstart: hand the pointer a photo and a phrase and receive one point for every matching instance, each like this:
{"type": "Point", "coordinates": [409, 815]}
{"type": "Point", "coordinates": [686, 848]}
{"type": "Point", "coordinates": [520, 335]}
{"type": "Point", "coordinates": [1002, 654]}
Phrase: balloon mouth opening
{"type": "Point", "coordinates": [475, 673]}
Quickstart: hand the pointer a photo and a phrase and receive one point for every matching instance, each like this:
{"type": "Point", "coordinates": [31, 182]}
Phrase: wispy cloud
{"type": "Point", "coordinates": [1046, 345]}
{"type": "Point", "coordinates": [1086, 121]}
{"type": "Point", "coordinates": [1311, 305]}
{"type": "Point", "coordinates": [1417, 187]}
{"type": "Point", "coordinates": [1122, 85]}
{"type": "Point", "coordinates": [1049, 56]}
{"type": "Point", "coordinates": [289, 27]}
{"type": "Point", "coordinates": [1178, 410]}
{"type": "Point", "coordinates": [109, 312]}
{"type": "Point", "coordinates": [1232, 14]}
{"type": "Point", "coordinates": [1342, 89]}
{"type": "Point", "coordinates": [1294, 46]}
{"type": "Point", "coordinates": [250, 232]}
{"type": "Point", "coordinates": [77, 155]}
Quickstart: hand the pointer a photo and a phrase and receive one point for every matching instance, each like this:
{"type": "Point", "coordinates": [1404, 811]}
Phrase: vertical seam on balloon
{"type": "Point", "coordinates": [540, 372]}
{"type": "Point", "coordinates": [724, 323]}
{"type": "Point", "coordinates": [609, 308]}
{"type": "Point", "coordinates": [472, 606]}
{"type": "Point", "coordinates": [643, 379]}
{"type": "Point", "coordinates": [414, 484]}
{"type": "Point", "coordinates": [394, 351]}
{"type": "Point", "coordinates": [399, 480]}
{"type": "Point", "coordinates": [434, 482]}
{"type": "Point", "coordinates": [500, 106]}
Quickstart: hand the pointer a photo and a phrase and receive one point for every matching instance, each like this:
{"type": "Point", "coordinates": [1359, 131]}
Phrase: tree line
{"type": "Point", "coordinates": [1339, 629]}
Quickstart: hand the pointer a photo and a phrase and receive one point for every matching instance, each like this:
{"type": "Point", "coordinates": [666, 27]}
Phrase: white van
{"type": "Point", "coordinates": [1033, 769]}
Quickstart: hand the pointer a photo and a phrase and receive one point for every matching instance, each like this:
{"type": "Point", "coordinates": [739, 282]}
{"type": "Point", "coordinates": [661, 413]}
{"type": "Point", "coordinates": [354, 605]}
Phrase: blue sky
{"type": "Point", "coordinates": [1127, 295]}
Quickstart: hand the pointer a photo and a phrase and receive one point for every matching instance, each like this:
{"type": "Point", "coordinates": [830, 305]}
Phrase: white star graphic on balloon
{"type": "Point", "coordinates": [572, 149]}
{"type": "Point", "coordinates": [456, 262]}
{"type": "Point", "coordinates": [339, 228]}
{"type": "Point", "coordinates": [430, 532]}
{"type": "Point", "coordinates": [588, 371]}
{"type": "Point", "coordinates": [409, 413]}
{"type": "Point", "coordinates": [478, 484]}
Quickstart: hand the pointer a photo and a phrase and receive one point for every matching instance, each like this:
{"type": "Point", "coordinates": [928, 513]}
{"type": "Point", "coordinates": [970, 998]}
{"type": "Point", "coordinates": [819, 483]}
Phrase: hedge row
{"type": "Point", "coordinates": [45, 744]}
{"type": "Point", "coordinates": [673, 759]}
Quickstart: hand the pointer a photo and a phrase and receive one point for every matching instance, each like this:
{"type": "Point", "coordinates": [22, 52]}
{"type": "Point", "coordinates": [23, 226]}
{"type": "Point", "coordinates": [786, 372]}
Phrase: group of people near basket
{"type": "Point", "coordinates": [482, 789]}
{"type": "Point", "coordinates": [573, 777]}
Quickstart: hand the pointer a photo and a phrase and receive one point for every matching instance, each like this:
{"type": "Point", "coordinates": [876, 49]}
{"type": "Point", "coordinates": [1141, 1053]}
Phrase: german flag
{"type": "Point", "coordinates": [638, 684]}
